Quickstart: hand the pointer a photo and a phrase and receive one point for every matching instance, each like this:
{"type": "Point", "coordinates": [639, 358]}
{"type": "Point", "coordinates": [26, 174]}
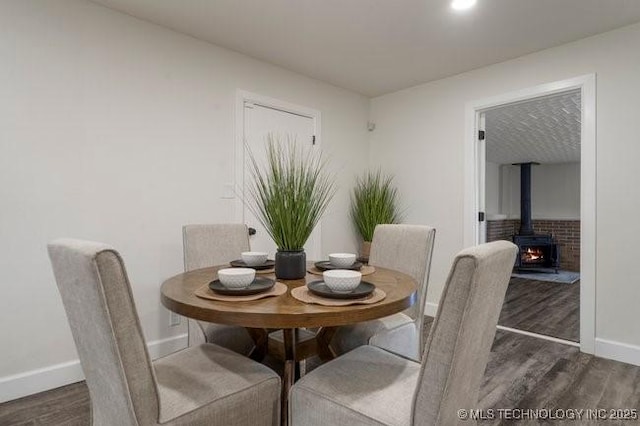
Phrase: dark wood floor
{"type": "Point", "coordinates": [541, 307]}
{"type": "Point", "coordinates": [526, 372]}
{"type": "Point", "coordinates": [68, 406]}
{"type": "Point", "coordinates": [523, 372]}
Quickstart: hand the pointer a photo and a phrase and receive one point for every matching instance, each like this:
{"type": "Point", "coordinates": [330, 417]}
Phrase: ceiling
{"type": "Point", "coordinates": [543, 130]}
{"type": "Point", "coordinates": [380, 46]}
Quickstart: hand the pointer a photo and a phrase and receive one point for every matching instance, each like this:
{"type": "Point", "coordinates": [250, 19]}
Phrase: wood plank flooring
{"type": "Point", "coordinates": [541, 307]}
{"type": "Point", "coordinates": [523, 372]}
{"type": "Point", "coordinates": [68, 406]}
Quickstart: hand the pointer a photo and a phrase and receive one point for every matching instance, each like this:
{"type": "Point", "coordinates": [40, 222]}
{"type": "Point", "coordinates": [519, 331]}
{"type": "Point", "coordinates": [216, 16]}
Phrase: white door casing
{"type": "Point", "coordinates": [482, 179]}
{"type": "Point", "coordinates": [588, 236]}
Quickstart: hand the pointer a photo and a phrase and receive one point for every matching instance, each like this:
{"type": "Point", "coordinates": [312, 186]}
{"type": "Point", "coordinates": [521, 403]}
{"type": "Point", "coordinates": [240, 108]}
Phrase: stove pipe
{"type": "Point", "coordinates": [526, 225]}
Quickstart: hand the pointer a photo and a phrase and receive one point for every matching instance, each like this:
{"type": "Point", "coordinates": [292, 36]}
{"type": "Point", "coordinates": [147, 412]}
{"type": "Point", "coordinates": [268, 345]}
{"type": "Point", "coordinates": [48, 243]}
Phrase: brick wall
{"type": "Point", "coordinates": [566, 233]}
{"type": "Point", "coordinates": [501, 229]}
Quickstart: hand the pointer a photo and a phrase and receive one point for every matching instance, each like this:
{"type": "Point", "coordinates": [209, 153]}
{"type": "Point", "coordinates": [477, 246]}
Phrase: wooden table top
{"type": "Point", "coordinates": [177, 295]}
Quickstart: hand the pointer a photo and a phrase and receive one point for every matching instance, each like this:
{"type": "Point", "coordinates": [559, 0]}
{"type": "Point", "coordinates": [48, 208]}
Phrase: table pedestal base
{"type": "Point", "coordinates": [260, 338]}
{"type": "Point", "coordinates": [294, 351]}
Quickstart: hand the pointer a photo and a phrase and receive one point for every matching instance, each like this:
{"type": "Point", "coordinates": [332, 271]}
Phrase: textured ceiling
{"type": "Point", "coordinates": [544, 130]}
{"type": "Point", "coordinates": [380, 46]}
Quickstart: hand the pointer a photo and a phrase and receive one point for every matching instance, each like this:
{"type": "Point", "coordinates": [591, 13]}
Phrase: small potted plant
{"type": "Point", "coordinates": [374, 201]}
{"type": "Point", "coordinates": [289, 195]}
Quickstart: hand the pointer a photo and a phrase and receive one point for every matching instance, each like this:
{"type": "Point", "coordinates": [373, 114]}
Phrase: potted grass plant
{"type": "Point", "coordinates": [289, 195]}
{"type": "Point", "coordinates": [374, 201]}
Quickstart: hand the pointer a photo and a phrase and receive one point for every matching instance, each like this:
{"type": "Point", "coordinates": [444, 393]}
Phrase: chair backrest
{"type": "Point", "coordinates": [408, 249]}
{"type": "Point", "coordinates": [209, 245]}
{"type": "Point", "coordinates": [459, 343]}
{"type": "Point", "coordinates": [97, 297]}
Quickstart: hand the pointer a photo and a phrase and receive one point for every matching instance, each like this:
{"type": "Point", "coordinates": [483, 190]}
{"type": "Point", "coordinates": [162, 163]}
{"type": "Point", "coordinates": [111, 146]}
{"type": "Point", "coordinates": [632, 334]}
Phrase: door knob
{"type": "Point", "coordinates": [252, 231]}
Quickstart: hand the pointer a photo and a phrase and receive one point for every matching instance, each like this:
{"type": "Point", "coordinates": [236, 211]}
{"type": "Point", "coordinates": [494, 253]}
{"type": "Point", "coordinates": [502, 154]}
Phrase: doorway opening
{"type": "Point", "coordinates": [532, 181]}
{"type": "Point", "coordinates": [532, 198]}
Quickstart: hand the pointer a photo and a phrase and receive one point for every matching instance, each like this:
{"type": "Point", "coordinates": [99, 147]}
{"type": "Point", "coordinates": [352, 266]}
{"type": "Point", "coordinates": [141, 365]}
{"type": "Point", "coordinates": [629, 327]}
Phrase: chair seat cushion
{"type": "Point", "coordinates": [350, 337]}
{"type": "Point", "coordinates": [231, 337]}
{"type": "Point", "coordinates": [367, 386]}
{"type": "Point", "coordinates": [214, 383]}
{"type": "Point", "coordinates": [403, 340]}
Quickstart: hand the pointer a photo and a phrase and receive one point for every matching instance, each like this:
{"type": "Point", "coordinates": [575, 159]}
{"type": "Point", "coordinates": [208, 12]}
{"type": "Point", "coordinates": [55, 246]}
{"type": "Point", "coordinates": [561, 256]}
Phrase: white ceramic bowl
{"type": "Point", "coordinates": [342, 280]}
{"type": "Point", "coordinates": [236, 278]}
{"type": "Point", "coordinates": [254, 258]}
{"type": "Point", "coordinates": [342, 260]}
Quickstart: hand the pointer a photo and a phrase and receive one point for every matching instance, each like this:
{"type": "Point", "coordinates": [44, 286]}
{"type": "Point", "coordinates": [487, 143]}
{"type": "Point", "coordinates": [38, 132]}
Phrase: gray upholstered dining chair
{"type": "Point", "coordinates": [201, 385]}
{"type": "Point", "coordinates": [408, 249]}
{"type": "Point", "coordinates": [370, 386]}
{"type": "Point", "coordinates": [209, 245]}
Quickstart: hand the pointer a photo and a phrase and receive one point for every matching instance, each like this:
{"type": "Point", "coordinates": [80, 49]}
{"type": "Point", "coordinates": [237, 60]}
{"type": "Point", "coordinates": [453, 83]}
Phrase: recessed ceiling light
{"type": "Point", "coordinates": [462, 4]}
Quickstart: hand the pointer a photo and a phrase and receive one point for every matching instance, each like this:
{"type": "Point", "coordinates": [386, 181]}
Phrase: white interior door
{"type": "Point", "coordinates": [482, 179]}
{"type": "Point", "coordinates": [259, 122]}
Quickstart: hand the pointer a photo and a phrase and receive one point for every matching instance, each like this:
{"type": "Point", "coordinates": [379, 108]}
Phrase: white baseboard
{"type": "Point", "coordinates": [164, 347]}
{"type": "Point", "coordinates": [54, 376]}
{"type": "Point", "coordinates": [609, 349]}
{"type": "Point", "coordinates": [431, 309]}
{"type": "Point", "coordinates": [538, 336]}
{"type": "Point", "coordinates": [34, 381]}
{"type": "Point", "coordinates": [618, 351]}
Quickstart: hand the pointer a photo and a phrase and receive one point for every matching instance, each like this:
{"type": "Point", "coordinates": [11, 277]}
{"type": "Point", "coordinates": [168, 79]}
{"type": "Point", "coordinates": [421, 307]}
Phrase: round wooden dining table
{"type": "Point", "coordinates": [286, 313]}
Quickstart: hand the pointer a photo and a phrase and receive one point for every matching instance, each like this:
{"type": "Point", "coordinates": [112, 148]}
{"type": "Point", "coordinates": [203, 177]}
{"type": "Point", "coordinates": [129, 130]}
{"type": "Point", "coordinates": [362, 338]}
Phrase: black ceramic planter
{"type": "Point", "coordinates": [291, 265]}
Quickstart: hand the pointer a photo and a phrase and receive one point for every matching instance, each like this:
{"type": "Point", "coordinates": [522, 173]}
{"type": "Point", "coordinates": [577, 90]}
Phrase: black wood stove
{"type": "Point", "coordinates": [535, 251]}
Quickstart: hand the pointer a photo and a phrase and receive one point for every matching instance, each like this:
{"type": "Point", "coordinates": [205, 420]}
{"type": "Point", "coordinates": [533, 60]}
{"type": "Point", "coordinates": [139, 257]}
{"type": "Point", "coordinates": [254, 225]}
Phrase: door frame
{"type": "Point", "coordinates": [588, 230]}
{"type": "Point", "coordinates": [242, 98]}
{"type": "Point", "coordinates": [481, 173]}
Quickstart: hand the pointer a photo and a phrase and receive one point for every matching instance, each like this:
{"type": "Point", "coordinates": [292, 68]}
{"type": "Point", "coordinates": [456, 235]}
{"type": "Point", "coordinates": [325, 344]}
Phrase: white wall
{"type": "Point", "coordinates": [555, 191]}
{"type": "Point", "coordinates": [118, 130]}
{"type": "Point", "coordinates": [420, 135]}
{"type": "Point", "coordinates": [493, 196]}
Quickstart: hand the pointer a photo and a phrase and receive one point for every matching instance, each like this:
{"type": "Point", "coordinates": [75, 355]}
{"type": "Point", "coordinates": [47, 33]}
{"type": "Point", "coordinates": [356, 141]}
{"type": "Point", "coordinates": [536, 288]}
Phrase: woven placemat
{"type": "Point", "coordinates": [365, 270]}
{"type": "Point", "coordinates": [304, 295]}
{"type": "Point", "coordinates": [206, 293]}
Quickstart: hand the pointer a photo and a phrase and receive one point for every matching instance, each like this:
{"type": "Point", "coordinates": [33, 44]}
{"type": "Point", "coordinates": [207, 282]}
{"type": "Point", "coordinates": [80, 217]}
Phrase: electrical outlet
{"type": "Point", "coordinates": [228, 192]}
{"type": "Point", "coordinates": [174, 319]}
